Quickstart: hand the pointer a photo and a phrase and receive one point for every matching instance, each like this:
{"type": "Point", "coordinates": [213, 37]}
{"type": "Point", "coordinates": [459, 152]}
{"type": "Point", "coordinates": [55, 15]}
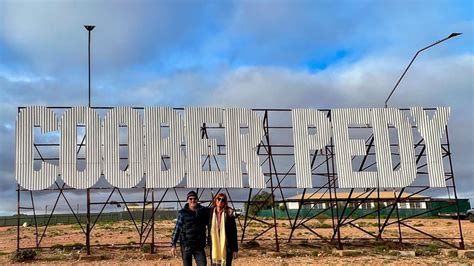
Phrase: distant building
{"type": "Point", "coordinates": [360, 199]}
{"type": "Point", "coordinates": [139, 207]}
{"type": "Point", "coordinates": [136, 210]}
{"type": "Point", "coordinates": [366, 204]}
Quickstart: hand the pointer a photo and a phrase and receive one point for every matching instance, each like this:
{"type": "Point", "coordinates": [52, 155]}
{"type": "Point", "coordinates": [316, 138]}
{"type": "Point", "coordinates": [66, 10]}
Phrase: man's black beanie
{"type": "Point", "coordinates": [191, 194]}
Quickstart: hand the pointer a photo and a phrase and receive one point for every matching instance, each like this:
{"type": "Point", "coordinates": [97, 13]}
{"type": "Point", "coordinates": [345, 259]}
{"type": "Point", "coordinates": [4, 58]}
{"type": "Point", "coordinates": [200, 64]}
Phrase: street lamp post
{"type": "Point", "coordinates": [454, 34]}
{"type": "Point", "coordinates": [89, 28]}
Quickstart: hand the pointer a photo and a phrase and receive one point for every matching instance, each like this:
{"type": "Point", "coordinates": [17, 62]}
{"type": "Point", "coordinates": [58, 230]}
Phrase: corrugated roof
{"type": "Point", "coordinates": [355, 195]}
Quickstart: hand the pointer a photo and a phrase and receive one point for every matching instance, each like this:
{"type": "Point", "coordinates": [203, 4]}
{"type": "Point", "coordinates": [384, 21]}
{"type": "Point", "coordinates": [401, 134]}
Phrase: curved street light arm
{"type": "Point", "coordinates": [413, 59]}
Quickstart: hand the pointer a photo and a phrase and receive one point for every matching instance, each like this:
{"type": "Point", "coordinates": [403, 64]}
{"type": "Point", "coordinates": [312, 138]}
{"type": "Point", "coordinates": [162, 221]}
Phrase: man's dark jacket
{"type": "Point", "coordinates": [230, 230]}
{"type": "Point", "coordinates": [191, 227]}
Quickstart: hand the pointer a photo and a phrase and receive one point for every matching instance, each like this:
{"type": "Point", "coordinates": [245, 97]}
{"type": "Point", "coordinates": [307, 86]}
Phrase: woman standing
{"type": "Point", "coordinates": [222, 232]}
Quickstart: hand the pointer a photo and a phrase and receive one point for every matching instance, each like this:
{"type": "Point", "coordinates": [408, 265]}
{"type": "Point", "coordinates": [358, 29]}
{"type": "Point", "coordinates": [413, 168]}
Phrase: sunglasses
{"type": "Point", "coordinates": [192, 198]}
{"type": "Point", "coordinates": [221, 199]}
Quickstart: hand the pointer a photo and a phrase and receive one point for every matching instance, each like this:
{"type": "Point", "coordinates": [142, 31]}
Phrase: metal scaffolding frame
{"type": "Point", "coordinates": [341, 212]}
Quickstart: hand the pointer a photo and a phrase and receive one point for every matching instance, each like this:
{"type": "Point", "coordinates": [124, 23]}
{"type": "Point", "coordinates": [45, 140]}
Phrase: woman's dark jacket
{"type": "Point", "coordinates": [230, 230]}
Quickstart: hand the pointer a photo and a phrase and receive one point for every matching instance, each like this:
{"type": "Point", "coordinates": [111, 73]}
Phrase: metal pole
{"type": "Point", "coordinates": [34, 216]}
{"type": "Point", "coordinates": [413, 59]}
{"type": "Point", "coordinates": [88, 226]}
{"type": "Point", "coordinates": [89, 54]}
{"type": "Point", "coordinates": [89, 28]}
{"type": "Point", "coordinates": [300, 205]}
{"type": "Point", "coordinates": [332, 179]}
{"type": "Point", "coordinates": [246, 215]}
{"type": "Point", "coordinates": [398, 219]}
{"type": "Point", "coordinates": [461, 243]}
{"type": "Point", "coordinates": [18, 218]}
{"type": "Point", "coordinates": [379, 235]}
{"type": "Point", "coordinates": [271, 181]}
{"type": "Point", "coordinates": [152, 249]}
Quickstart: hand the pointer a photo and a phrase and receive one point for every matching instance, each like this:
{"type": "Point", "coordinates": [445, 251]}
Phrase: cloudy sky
{"type": "Point", "coordinates": [259, 54]}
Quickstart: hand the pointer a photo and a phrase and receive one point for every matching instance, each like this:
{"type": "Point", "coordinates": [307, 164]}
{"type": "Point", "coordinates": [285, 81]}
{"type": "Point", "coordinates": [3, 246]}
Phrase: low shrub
{"type": "Point", "coordinates": [430, 250]}
{"type": "Point", "coordinates": [74, 246]}
{"type": "Point", "coordinates": [146, 248]}
{"type": "Point", "coordinates": [380, 249]}
{"type": "Point", "coordinates": [323, 225]}
{"type": "Point", "coordinates": [23, 255]}
{"type": "Point", "coordinates": [57, 247]}
{"type": "Point", "coordinates": [251, 244]}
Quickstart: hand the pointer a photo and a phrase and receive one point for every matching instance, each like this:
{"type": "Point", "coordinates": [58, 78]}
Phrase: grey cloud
{"type": "Point", "coordinates": [50, 38]}
{"type": "Point", "coordinates": [51, 35]}
{"type": "Point", "coordinates": [20, 92]}
{"type": "Point", "coordinates": [271, 87]}
{"type": "Point", "coordinates": [176, 90]}
{"type": "Point", "coordinates": [445, 81]}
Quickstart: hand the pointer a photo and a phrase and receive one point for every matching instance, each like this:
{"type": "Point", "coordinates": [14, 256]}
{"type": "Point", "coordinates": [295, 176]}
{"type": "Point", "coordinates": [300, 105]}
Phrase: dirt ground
{"type": "Point", "coordinates": [118, 243]}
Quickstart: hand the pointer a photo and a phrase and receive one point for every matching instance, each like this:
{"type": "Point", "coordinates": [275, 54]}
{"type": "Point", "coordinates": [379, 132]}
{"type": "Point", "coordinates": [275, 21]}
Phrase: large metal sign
{"type": "Point", "coordinates": [185, 146]}
{"type": "Point", "coordinates": [351, 163]}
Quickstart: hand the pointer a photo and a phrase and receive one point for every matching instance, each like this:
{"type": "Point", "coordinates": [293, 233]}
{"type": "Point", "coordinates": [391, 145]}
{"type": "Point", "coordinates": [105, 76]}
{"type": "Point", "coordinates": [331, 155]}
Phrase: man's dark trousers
{"type": "Point", "coordinates": [199, 255]}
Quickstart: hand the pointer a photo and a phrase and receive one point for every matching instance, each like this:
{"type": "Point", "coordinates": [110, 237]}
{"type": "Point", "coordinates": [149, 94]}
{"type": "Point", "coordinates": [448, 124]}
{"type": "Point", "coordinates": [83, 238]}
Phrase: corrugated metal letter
{"type": "Point", "coordinates": [432, 131]}
{"type": "Point", "coordinates": [243, 147]}
{"type": "Point", "coordinates": [134, 173]}
{"type": "Point", "coordinates": [25, 174]}
{"type": "Point", "coordinates": [345, 148]}
{"type": "Point", "coordinates": [196, 147]}
{"type": "Point", "coordinates": [156, 146]}
{"type": "Point", "coordinates": [406, 174]}
{"type": "Point", "coordinates": [68, 147]}
{"type": "Point", "coordinates": [305, 143]}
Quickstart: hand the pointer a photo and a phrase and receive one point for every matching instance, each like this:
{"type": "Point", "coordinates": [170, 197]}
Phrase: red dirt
{"type": "Point", "coordinates": [121, 237]}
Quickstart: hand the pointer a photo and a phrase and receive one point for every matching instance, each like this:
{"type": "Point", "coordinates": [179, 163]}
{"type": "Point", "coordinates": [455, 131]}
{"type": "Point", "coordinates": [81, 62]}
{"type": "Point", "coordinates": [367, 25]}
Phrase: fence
{"type": "Point", "coordinates": [71, 219]}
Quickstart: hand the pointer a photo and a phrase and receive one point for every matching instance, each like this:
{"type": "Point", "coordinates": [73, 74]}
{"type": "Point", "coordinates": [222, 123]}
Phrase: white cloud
{"type": "Point", "coordinates": [446, 81]}
{"type": "Point", "coordinates": [363, 83]}
{"type": "Point", "coordinates": [432, 82]}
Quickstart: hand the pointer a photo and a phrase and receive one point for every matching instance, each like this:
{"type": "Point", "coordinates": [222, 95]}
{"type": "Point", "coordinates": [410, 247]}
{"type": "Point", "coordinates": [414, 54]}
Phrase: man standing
{"type": "Point", "coordinates": [190, 228]}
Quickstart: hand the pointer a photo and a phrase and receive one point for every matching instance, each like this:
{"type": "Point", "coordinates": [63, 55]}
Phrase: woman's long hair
{"type": "Point", "coordinates": [220, 195]}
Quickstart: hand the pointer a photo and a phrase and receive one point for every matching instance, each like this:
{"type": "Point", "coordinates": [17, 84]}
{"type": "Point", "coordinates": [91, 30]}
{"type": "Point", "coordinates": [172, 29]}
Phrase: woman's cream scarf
{"type": "Point", "coordinates": [218, 238]}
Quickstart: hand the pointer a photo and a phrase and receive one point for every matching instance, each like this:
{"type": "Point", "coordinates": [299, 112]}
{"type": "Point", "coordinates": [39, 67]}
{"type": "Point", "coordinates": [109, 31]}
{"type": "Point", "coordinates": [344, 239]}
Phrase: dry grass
{"type": "Point", "coordinates": [122, 237]}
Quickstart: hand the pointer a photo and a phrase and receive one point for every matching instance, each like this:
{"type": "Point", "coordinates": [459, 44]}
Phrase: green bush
{"type": "Point", "coordinates": [146, 248]}
{"type": "Point", "coordinates": [57, 246]}
{"type": "Point", "coordinates": [323, 225]}
{"type": "Point", "coordinates": [74, 246]}
{"type": "Point", "coordinates": [430, 250]}
{"type": "Point", "coordinates": [261, 201]}
{"type": "Point", "coordinates": [381, 249]}
{"type": "Point", "coordinates": [23, 255]}
{"type": "Point", "coordinates": [76, 227]}
{"type": "Point", "coordinates": [251, 244]}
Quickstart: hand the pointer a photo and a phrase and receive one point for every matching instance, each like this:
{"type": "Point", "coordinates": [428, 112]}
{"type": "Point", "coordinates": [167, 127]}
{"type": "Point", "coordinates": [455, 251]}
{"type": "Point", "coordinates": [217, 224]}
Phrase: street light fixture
{"type": "Point", "coordinates": [454, 34]}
